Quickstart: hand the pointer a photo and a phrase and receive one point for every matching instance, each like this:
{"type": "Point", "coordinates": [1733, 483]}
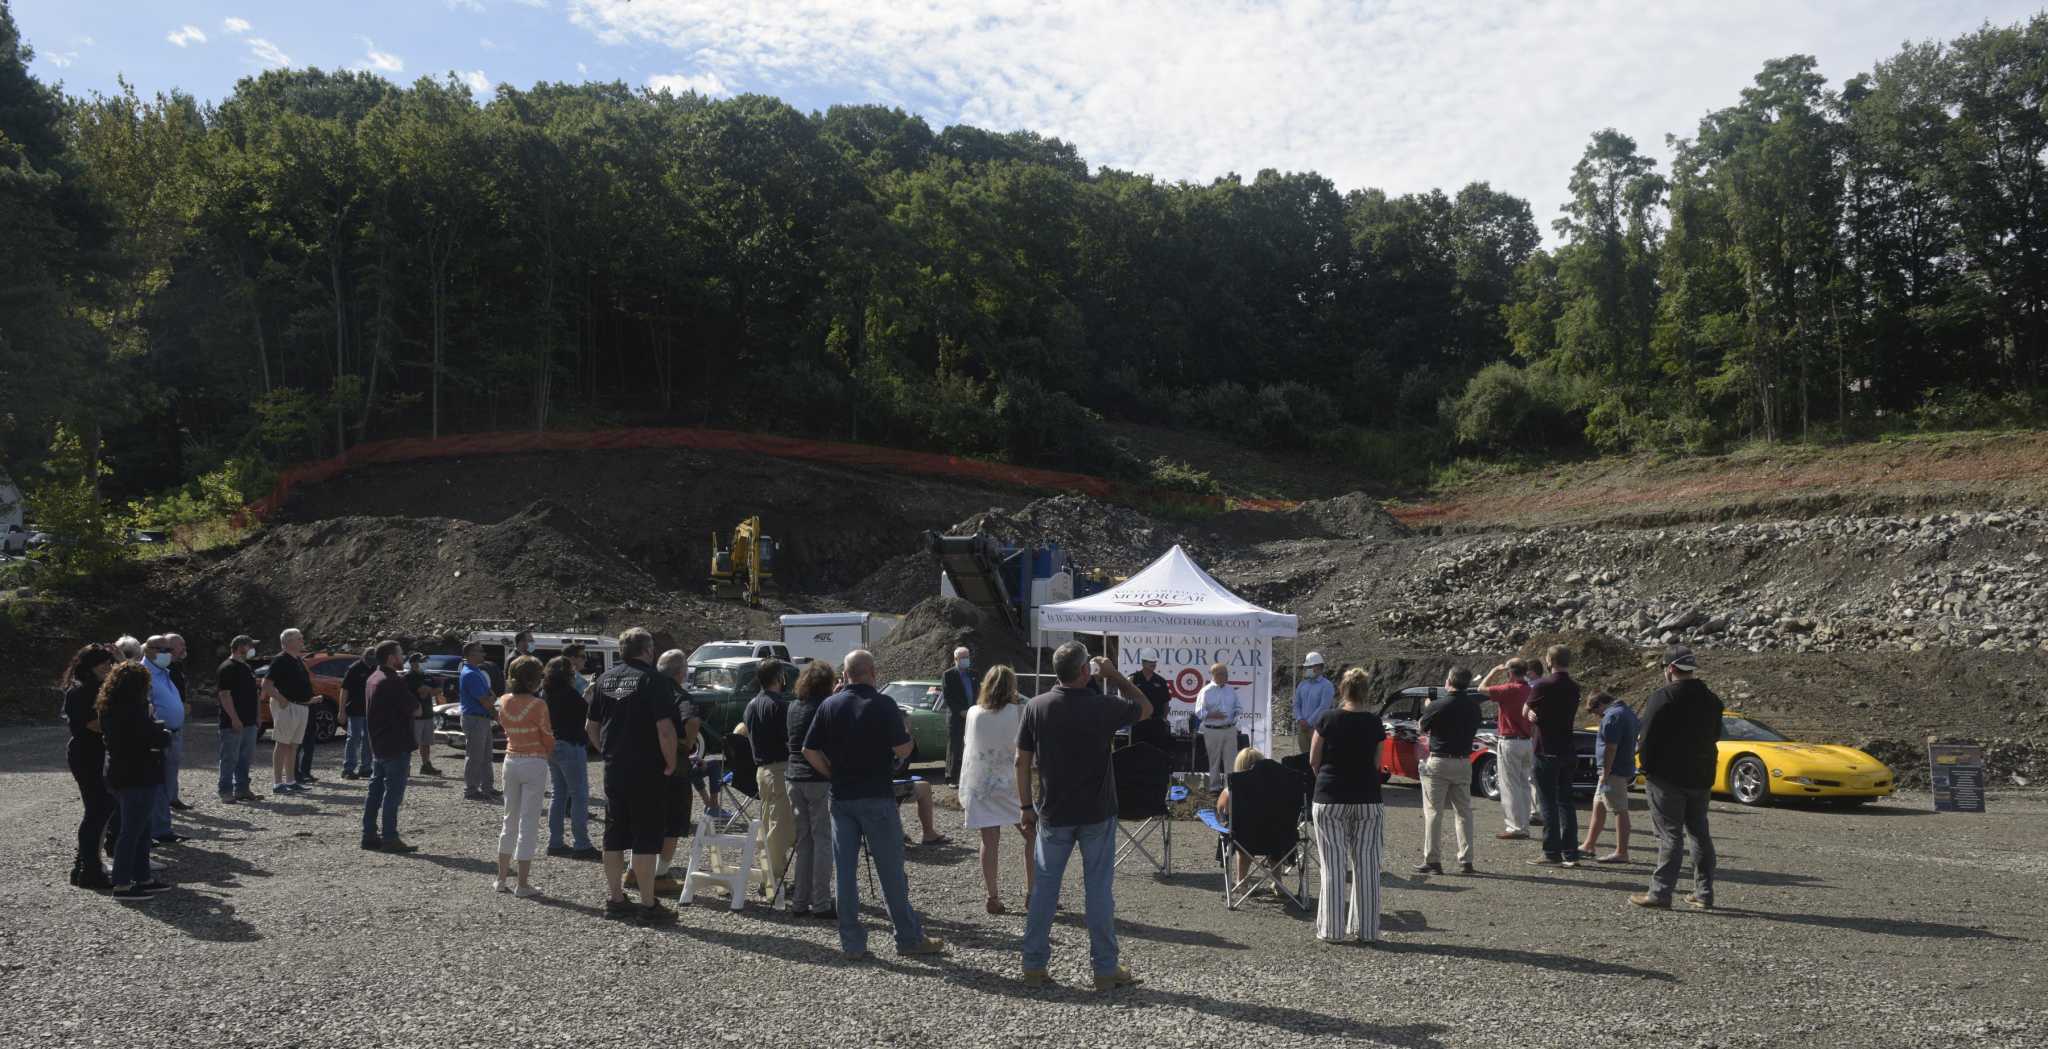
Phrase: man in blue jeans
{"type": "Point", "coordinates": [855, 741]}
{"type": "Point", "coordinates": [388, 709]}
{"type": "Point", "coordinates": [1069, 732]}
{"type": "Point", "coordinates": [1554, 706]}
{"type": "Point", "coordinates": [238, 719]}
{"type": "Point", "coordinates": [355, 685]}
{"type": "Point", "coordinates": [169, 707]}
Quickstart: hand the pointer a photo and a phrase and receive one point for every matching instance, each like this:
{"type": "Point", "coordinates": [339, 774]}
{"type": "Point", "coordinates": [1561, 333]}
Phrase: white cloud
{"type": "Point", "coordinates": [678, 83]}
{"type": "Point", "coordinates": [479, 83]}
{"type": "Point", "coordinates": [487, 44]}
{"type": "Point", "coordinates": [235, 25]}
{"type": "Point", "coordinates": [86, 41]}
{"type": "Point", "coordinates": [472, 6]}
{"type": "Point", "coordinates": [531, 3]}
{"type": "Point", "coordinates": [60, 59]}
{"type": "Point", "coordinates": [1405, 95]}
{"type": "Point", "coordinates": [381, 61]}
{"type": "Point", "coordinates": [186, 36]}
{"type": "Point", "coordinates": [582, 70]}
{"type": "Point", "coordinates": [267, 53]}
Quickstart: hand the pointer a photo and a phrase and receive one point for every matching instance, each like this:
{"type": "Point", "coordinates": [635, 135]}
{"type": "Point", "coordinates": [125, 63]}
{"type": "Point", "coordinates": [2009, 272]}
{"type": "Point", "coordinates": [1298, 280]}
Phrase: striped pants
{"type": "Point", "coordinates": [1348, 840]}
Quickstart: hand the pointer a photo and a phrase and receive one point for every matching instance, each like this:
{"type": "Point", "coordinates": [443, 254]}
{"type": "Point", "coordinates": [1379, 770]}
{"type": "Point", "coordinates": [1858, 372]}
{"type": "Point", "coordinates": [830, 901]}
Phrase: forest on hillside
{"type": "Point", "coordinates": [194, 290]}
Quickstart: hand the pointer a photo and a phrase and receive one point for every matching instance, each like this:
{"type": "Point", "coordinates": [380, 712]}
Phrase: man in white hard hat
{"type": "Point", "coordinates": [1313, 694]}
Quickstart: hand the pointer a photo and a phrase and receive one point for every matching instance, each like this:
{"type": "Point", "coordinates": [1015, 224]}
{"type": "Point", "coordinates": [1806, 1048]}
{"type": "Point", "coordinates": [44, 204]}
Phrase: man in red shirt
{"type": "Point", "coordinates": [1516, 749]}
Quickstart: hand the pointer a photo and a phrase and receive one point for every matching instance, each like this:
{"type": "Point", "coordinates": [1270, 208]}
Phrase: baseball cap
{"type": "Point", "coordinates": [1680, 658]}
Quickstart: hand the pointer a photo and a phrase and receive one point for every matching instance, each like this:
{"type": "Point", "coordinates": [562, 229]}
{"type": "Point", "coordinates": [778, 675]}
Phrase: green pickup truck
{"type": "Point", "coordinates": [722, 688]}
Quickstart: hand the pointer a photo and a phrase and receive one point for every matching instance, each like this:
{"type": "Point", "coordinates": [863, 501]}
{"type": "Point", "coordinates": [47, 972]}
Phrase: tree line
{"type": "Point", "coordinates": [326, 258]}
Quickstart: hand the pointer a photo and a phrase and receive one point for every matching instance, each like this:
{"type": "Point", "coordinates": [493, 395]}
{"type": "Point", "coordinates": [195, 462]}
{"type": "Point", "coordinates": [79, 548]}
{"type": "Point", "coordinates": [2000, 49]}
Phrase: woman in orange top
{"type": "Point", "coordinates": [529, 741]}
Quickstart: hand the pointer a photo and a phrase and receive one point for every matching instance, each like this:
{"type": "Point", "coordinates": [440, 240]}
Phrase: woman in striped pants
{"type": "Point", "coordinates": [1345, 753]}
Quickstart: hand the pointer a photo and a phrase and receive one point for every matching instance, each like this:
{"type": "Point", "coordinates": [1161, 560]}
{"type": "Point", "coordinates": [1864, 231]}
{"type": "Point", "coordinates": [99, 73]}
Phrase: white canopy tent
{"type": "Point", "coordinates": [1178, 614]}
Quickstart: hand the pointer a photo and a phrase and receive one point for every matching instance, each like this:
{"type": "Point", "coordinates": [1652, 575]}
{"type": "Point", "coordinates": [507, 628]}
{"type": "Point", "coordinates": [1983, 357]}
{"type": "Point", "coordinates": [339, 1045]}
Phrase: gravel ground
{"type": "Point", "coordinates": [1890, 926]}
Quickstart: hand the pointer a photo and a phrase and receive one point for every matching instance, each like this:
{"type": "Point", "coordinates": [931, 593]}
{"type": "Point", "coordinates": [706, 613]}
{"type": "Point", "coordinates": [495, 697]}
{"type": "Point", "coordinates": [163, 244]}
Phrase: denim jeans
{"type": "Point", "coordinates": [235, 748]}
{"type": "Point", "coordinates": [387, 789]}
{"type": "Point", "coordinates": [174, 753]}
{"type": "Point", "coordinates": [355, 754]}
{"type": "Point", "coordinates": [1098, 878]}
{"type": "Point", "coordinates": [876, 820]}
{"type": "Point", "coordinates": [131, 849]}
{"type": "Point", "coordinates": [1554, 799]}
{"type": "Point", "coordinates": [570, 771]}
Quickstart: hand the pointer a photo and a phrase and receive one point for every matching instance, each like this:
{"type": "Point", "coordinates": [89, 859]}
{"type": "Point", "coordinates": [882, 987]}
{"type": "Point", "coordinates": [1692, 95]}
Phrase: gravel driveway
{"type": "Point", "coordinates": [1890, 926]}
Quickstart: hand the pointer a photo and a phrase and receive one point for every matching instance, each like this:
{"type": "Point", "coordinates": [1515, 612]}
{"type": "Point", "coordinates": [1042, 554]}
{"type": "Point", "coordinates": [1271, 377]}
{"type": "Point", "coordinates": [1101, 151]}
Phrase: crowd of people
{"type": "Point", "coordinates": [829, 751]}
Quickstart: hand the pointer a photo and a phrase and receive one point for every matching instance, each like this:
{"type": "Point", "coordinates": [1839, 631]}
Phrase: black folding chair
{"type": "Point", "coordinates": [1144, 788]}
{"type": "Point", "coordinates": [1265, 824]}
{"type": "Point", "coordinates": [742, 775]}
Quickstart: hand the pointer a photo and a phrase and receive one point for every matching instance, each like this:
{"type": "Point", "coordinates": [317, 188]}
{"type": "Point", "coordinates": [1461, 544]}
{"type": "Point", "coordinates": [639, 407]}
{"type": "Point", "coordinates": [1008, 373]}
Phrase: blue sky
{"type": "Point", "coordinates": [1404, 95]}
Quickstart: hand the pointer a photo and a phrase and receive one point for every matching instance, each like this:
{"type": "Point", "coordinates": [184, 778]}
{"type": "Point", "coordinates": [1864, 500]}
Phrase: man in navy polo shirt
{"type": "Point", "coordinates": [855, 741]}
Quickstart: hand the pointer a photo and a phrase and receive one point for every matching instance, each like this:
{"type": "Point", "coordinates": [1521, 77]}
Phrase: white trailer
{"type": "Point", "coordinates": [829, 636]}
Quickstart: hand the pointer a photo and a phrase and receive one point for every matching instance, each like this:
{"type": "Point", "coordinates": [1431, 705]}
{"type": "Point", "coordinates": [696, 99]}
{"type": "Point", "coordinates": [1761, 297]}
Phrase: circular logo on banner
{"type": "Point", "coordinates": [1188, 683]}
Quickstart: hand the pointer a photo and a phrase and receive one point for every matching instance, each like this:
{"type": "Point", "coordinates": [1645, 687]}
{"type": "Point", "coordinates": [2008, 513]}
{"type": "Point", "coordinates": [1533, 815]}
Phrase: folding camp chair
{"type": "Point", "coordinates": [1144, 789]}
{"type": "Point", "coordinates": [1265, 814]}
{"type": "Point", "coordinates": [742, 776]}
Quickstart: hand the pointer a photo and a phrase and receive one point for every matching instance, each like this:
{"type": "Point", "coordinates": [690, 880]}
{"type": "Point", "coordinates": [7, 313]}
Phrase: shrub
{"type": "Point", "coordinates": [1507, 409]}
{"type": "Point", "coordinates": [1172, 475]}
{"type": "Point", "coordinates": [89, 534]}
{"type": "Point", "coordinates": [1960, 408]}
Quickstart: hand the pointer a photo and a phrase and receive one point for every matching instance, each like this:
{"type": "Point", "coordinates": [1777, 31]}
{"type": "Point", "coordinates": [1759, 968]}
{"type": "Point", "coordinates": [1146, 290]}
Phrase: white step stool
{"type": "Point", "coordinates": [706, 870]}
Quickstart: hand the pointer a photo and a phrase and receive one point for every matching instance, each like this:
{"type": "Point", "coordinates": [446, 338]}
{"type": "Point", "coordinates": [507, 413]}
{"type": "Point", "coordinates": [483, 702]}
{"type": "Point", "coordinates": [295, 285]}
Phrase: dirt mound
{"type": "Point", "coordinates": [351, 578]}
{"type": "Point", "coordinates": [922, 645]}
{"type": "Point", "coordinates": [1353, 516]}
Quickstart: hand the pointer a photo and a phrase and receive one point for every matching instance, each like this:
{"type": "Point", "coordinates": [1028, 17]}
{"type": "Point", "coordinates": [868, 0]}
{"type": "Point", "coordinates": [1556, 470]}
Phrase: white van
{"type": "Point", "coordinates": [829, 636]}
{"type": "Point", "coordinates": [599, 653]}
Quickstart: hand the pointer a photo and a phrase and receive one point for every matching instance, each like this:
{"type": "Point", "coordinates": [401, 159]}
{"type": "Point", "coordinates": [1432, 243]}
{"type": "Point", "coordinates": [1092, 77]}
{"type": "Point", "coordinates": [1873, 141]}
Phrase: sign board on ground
{"type": "Point", "coordinates": [1958, 775]}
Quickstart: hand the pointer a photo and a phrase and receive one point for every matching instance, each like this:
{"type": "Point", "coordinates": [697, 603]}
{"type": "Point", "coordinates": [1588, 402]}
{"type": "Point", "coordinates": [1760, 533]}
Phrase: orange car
{"type": "Point", "coordinates": [327, 669]}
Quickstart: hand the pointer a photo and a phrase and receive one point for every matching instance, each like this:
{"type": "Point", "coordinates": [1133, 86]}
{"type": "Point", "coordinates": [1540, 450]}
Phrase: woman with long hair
{"type": "Point", "coordinates": [135, 770]}
{"type": "Point", "coordinates": [529, 743]}
{"type": "Point", "coordinates": [988, 776]}
{"type": "Point", "coordinates": [86, 754]}
{"type": "Point", "coordinates": [810, 864]}
{"type": "Point", "coordinates": [1345, 753]}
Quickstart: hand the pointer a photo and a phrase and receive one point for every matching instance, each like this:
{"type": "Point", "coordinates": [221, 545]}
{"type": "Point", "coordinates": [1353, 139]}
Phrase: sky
{"type": "Point", "coordinates": [1402, 95]}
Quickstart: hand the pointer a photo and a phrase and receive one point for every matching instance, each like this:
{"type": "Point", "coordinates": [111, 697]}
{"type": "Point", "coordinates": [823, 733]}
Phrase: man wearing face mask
{"type": "Point", "coordinates": [959, 692]}
{"type": "Point", "coordinates": [1312, 696]}
{"type": "Point", "coordinates": [169, 707]}
{"type": "Point", "coordinates": [238, 719]}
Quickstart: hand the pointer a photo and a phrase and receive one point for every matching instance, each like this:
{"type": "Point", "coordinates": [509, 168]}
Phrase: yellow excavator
{"type": "Point", "coordinates": [749, 559]}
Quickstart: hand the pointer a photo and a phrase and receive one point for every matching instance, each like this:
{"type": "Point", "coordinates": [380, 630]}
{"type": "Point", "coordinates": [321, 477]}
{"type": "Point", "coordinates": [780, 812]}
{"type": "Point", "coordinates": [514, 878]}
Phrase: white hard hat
{"type": "Point", "coordinates": [1315, 659]}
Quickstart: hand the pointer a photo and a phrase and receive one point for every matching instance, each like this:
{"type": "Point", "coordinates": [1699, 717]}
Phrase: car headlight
{"type": "Point", "coordinates": [1803, 780]}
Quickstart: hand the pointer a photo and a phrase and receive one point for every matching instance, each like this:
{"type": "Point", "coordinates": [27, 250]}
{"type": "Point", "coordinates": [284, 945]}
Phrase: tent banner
{"type": "Point", "coordinates": [1184, 662]}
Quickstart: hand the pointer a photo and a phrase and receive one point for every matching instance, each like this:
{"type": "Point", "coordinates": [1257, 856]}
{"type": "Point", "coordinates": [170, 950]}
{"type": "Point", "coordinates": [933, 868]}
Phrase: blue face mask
{"type": "Point", "coordinates": [162, 660]}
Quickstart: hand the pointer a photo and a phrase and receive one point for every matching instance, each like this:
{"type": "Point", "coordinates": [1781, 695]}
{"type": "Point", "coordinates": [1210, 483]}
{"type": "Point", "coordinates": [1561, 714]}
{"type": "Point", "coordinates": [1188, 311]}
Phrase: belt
{"type": "Point", "coordinates": [1506, 736]}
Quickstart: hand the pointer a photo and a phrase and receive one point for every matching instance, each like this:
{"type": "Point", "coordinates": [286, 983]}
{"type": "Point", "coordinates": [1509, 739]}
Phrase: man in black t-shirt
{"type": "Point", "coordinates": [1158, 692]}
{"type": "Point", "coordinates": [1451, 720]}
{"type": "Point", "coordinates": [289, 688]}
{"type": "Point", "coordinates": [855, 741]}
{"type": "Point", "coordinates": [633, 711]}
{"type": "Point", "coordinates": [1069, 733]}
{"type": "Point", "coordinates": [355, 711]}
{"type": "Point", "coordinates": [239, 720]}
{"type": "Point", "coordinates": [423, 688]}
{"type": "Point", "coordinates": [1553, 706]}
{"type": "Point", "coordinates": [674, 665]}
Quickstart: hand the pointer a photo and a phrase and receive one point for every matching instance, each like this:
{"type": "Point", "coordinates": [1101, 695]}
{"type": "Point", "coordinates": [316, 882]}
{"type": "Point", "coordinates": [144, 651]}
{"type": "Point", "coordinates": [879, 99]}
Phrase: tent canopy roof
{"type": "Point", "coordinates": [1172, 595]}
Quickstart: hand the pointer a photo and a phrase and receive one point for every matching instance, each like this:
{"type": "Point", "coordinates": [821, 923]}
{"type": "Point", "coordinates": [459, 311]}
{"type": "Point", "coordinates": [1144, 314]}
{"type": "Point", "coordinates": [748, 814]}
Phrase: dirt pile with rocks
{"type": "Point", "coordinates": [921, 646]}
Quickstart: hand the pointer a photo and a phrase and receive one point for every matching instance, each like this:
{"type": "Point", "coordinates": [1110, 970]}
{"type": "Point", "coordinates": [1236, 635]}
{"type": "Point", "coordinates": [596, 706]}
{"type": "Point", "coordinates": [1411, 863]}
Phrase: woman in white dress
{"type": "Point", "coordinates": [988, 775]}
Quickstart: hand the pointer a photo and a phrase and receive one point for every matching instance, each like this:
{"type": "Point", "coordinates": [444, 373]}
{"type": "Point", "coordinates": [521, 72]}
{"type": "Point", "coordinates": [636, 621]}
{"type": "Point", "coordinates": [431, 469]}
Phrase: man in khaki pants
{"type": "Point", "coordinates": [767, 723]}
{"type": "Point", "coordinates": [1450, 721]}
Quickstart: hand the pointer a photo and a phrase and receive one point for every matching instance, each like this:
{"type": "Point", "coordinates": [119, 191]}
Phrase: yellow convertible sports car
{"type": "Point", "coordinates": [1758, 764]}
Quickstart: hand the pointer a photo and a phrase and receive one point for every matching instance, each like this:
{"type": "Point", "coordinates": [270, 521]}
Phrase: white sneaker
{"type": "Point", "coordinates": [500, 885]}
{"type": "Point", "coordinates": [526, 892]}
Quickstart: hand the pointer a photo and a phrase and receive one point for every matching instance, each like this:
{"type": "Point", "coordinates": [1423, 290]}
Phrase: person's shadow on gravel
{"type": "Point", "coordinates": [201, 916]}
{"type": "Point", "coordinates": [465, 864]}
{"type": "Point", "coordinates": [209, 867]}
{"type": "Point", "coordinates": [1532, 959]}
{"type": "Point", "coordinates": [1881, 926]}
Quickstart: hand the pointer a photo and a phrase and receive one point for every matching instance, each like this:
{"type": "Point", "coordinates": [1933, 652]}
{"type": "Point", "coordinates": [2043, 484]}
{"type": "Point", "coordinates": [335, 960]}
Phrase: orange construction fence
{"type": "Point", "coordinates": [412, 449]}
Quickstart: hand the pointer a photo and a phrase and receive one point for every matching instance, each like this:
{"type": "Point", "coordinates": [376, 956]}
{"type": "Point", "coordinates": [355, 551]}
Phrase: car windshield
{"type": "Point", "coordinates": [441, 664]}
{"type": "Point", "coordinates": [913, 695]}
{"type": "Point", "coordinates": [711, 679]}
{"type": "Point", "coordinates": [706, 653]}
{"type": "Point", "coordinates": [1750, 729]}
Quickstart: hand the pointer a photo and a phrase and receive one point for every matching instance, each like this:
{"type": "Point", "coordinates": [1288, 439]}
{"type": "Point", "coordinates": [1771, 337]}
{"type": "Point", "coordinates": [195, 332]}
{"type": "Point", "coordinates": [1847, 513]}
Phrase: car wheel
{"type": "Point", "coordinates": [323, 727]}
{"type": "Point", "coordinates": [1749, 781]}
{"type": "Point", "coordinates": [1486, 778]}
